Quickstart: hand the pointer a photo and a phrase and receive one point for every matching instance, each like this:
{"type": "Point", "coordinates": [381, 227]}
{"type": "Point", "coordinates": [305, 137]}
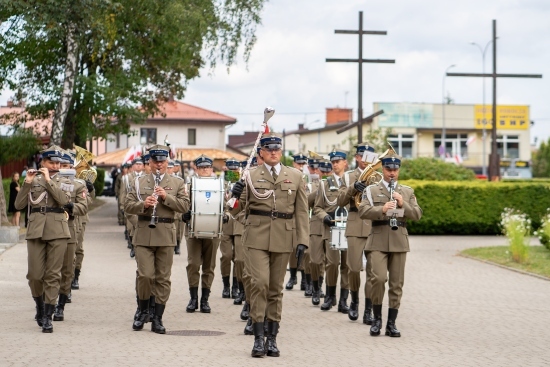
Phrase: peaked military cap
{"type": "Point", "coordinates": [203, 161]}
{"type": "Point", "coordinates": [53, 153]}
{"type": "Point", "coordinates": [300, 158]}
{"type": "Point", "coordinates": [362, 147]}
{"type": "Point", "coordinates": [391, 161]}
{"type": "Point", "coordinates": [159, 152]}
{"type": "Point", "coordinates": [337, 155]}
{"type": "Point", "coordinates": [271, 141]}
{"type": "Point", "coordinates": [232, 163]}
{"type": "Point", "coordinates": [171, 164]}
{"type": "Point", "coordinates": [325, 166]}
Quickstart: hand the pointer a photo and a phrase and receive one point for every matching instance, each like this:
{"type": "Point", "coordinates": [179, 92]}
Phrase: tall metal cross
{"type": "Point", "coordinates": [494, 161]}
{"type": "Point", "coordinates": [360, 61]}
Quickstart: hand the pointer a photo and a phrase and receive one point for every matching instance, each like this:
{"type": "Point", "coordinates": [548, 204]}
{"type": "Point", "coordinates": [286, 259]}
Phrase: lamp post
{"type": "Point", "coordinates": [443, 132]}
{"type": "Point", "coordinates": [484, 122]}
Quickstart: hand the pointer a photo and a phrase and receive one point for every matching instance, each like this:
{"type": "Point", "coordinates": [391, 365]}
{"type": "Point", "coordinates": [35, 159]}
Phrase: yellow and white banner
{"type": "Point", "coordinates": [508, 117]}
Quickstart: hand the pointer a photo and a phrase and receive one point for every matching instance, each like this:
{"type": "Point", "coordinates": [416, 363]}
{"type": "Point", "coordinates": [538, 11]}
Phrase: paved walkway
{"type": "Point", "coordinates": [455, 312]}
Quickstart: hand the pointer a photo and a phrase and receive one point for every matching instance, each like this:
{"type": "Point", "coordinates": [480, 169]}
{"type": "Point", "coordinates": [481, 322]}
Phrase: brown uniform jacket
{"type": "Point", "coordinates": [315, 224]}
{"type": "Point", "coordinates": [47, 226]}
{"type": "Point", "coordinates": [227, 228]}
{"type": "Point", "coordinates": [176, 201]}
{"type": "Point", "coordinates": [383, 238]}
{"type": "Point", "coordinates": [355, 227]}
{"type": "Point", "coordinates": [323, 207]}
{"type": "Point", "coordinates": [275, 235]}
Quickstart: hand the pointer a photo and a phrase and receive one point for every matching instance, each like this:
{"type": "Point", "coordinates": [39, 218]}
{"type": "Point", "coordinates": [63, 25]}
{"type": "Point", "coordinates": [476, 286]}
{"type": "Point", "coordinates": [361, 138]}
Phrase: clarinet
{"type": "Point", "coordinates": [152, 223]}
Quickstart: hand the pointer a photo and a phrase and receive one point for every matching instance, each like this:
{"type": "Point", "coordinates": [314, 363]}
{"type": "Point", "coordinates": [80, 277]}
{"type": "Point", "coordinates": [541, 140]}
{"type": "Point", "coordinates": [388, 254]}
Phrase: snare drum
{"type": "Point", "coordinates": [338, 240]}
{"type": "Point", "coordinates": [206, 207]}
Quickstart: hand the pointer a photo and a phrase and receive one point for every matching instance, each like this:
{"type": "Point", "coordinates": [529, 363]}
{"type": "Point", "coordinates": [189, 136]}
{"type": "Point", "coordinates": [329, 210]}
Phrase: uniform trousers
{"type": "Point", "coordinates": [67, 270]}
{"type": "Point", "coordinates": [267, 273]}
{"type": "Point", "coordinates": [335, 259]}
{"type": "Point", "coordinates": [45, 259]}
{"type": "Point", "coordinates": [228, 254]}
{"type": "Point", "coordinates": [154, 270]}
{"type": "Point", "coordinates": [201, 252]}
{"type": "Point", "coordinates": [382, 264]}
{"type": "Point", "coordinates": [79, 252]}
{"type": "Point", "coordinates": [120, 214]}
{"type": "Point", "coordinates": [368, 270]}
{"type": "Point", "coordinates": [180, 226]}
{"type": "Point", "coordinates": [356, 247]}
{"type": "Point", "coordinates": [317, 255]}
{"type": "Point", "coordinates": [241, 271]}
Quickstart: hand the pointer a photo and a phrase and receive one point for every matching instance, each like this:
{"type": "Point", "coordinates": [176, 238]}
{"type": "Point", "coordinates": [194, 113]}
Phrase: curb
{"type": "Point", "coordinates": [505, 267]}
{"type": "Point", "coordinates": [5, 246]}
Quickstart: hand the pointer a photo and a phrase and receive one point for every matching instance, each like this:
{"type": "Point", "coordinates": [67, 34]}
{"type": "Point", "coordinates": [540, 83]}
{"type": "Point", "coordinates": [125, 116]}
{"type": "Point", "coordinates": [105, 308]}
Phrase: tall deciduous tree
{"type": "Point", "coordinates": [89, 64]}
{"type": "Point", "coordinates": [541, 160]}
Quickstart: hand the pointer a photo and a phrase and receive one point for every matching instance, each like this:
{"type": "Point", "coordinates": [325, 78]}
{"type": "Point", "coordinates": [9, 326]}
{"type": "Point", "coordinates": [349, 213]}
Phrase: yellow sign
{"type": "Point", "coordinates": [508, 117]}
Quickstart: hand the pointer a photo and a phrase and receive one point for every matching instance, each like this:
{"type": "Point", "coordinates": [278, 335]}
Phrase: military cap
{"type": "Point", "coordinates": [67, 158]}
{"type": "Point", "coordinates": [232, 163]}
{"type": "Point", "coordinates": [313, 162]}
{"type": "Point", "coordinates": [243, 163]}
{"type": "Point", "coordinates": [337, 155]}
{"type": "Point", "coordinates": [159, 152]}
{"type": "Point", "coordinates": [203, 161]}
{"type": "Point", "coordinates": [300, 158]}
{"type": "Point", "coordinates": [137, 160]}
{"type": "Point", "coordinates": [53, 153]}
{"type": "Point", "coordinates": [364, 147]}
{"type": "Point", "coordinates": [325, 166]}
{"type": "Point", "coordinates": [391, 161]}
{"type": "Point", "coordinates": [146, 158]}
{"type": "Point", "coordinates": [271, 141]}
{"type": "Point", "coordinates": [254, 162]}
{"type": "Point", "coordinates": [171, 164]}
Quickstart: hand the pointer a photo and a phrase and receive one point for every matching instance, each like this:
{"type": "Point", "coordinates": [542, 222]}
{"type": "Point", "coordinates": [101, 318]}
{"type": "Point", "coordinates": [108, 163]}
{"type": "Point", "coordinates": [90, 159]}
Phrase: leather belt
{"type": "Point", "coordinates": [147, 218]}
{"type": "Point", "coordinates": [47, 209]}
{"type": "Point", "coordinates": [376, 223]}
{"type": "Point", "coordinates": [273, 214]}
{"type": "Point", "coordinates": [353, 209]}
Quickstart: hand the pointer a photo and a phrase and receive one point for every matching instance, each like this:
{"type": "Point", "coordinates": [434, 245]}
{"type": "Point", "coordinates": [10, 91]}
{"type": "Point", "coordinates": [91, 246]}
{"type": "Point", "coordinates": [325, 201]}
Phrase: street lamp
{"type": "Point", "coordinates": [443, 133]}
{"type": "Point", "coordinates": [484, 122]}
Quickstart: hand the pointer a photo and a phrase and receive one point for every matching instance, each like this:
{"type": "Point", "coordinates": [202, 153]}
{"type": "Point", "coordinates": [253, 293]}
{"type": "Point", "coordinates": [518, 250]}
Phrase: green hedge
{"type": "Point", "coordinates": [434, 169]}
{"type": "Point", "coordinates": [474, 208]}
{"type": "Point", "coordinates": [99, 183]}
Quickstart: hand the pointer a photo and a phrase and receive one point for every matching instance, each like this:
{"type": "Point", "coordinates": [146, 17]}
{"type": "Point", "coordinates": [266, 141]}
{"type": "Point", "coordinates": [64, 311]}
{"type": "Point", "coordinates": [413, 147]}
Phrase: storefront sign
{"type": "Point", "coordinates": [405, 115]}
{"type": "Point", "coordinates": [508, 117]}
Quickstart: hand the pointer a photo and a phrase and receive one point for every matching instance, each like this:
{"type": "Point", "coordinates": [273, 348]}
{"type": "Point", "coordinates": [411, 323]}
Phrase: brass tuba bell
{"type": "Point", "coordinates": [81, 164]}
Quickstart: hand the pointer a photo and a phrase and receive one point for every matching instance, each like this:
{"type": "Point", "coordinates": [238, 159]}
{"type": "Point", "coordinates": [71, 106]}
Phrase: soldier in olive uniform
{"type": "Point", "coordinates": [325, 210]}
{"type": "Point", "coordinates": [357, 232]}
{"type": "Point", "coordinates": [76, 207]}
{"type": "Point", "coordinates": [227, 245]}
{"type": "Point", "coordinates": [316, 244]}
{"type": "Point", "coordinates": [177, 218]}
{"type": "Point", "coordinates": [388, 244]}
{"type": "Point", "coordinates": [154, 199]}
{"type": "Point", "coordinates": [275, 203]}
{"type": "Point", "coordinates": [79, 253]}
{"type": "Point", "coordinates": [47, 232]}
{"type": "Point", "coordinates": [201, 252]}
{"type": "Point", "coordinates": [127, 186]}
{"type": "Point", "coordinates": [118, 185]}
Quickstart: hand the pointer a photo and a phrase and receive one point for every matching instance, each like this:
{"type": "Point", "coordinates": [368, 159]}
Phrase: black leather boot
{"type": "Point", "coordinates": [241, 297]}
{"type": "Point", "coordinates": [258, 350]}
{"type": "Point", "coordinates": [303, 281]}
{"type": "Point", "coordinates": [377, 323]}
{"type": "Point", "coordinates": [321, 293]}
{"type": "Point", "coordinates": [309, 286]}
{"type": "Point", "coordinates": [194, 301]}
{"type": "Point", "coordinates": [293, 279]}
{"type": "Point", "coordinates": [177, 250]}
{"type": "Point", "coordinates": [151, 307]}
{"type": "Point", "coordinates": [246, 311]}
{"type": "Point", "coordinates": [69, 298]}
{"type": "Point", "coordinates": [226, 293]}
{"type": "Point", "coordinates": [235, 290]}
{"type": "Point", "coordinates": [271, 341]}
{"type": "Point", "coordinates": [156, 324]}
{"type": "Point", "coordinates": [39, 310]}
{"type": "Point", "coordinates": [391, 329]}
{"type": "Point", "coordinates": [248, 329]}
{"type": "Point", "coordinates": [329, 298]}
{"type": "Point", "coordinates": [265, 325]}
{"type": "Point", "coordinates": [136, 315]}
{"type": "Point", "coordinates": [205, 307]}
{"type": "Point", "coordinates": [353, 313]}
{"type": "Point", "coordinates": [132, 251]}
{"type": "Point", "coordinates": [143, 316]}
{"type": "Point", "coordinates": [74, 283]}
{"type": "Point", "coordinates": [126, 236]}
{"type": "Point", "coordinates": [367, 315]}
{"type": "Point", "coordinates": [47, 326]}
{"type": "Point", "coordinates": [315, 294]}
{"type": "Point", "coordinates": [343, 304]}
{"type": "Point", "coordinates": [58, 313]}
{"type": "Point", "coordinates": [129, 242]}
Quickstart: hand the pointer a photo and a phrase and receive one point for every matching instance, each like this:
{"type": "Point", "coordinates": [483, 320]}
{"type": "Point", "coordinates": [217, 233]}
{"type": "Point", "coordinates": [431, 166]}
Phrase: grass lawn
{"type": "Point", "coordinates": [538, 260]}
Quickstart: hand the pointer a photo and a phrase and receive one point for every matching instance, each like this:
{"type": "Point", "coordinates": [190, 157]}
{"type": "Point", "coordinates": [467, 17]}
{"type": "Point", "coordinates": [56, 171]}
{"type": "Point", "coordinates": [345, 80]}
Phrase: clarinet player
{"type": "Point", "coordinates": [155, 199]}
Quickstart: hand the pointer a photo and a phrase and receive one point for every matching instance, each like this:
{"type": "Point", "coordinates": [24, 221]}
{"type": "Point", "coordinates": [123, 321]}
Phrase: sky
{"type": "Point", "coordinates": [287, 69]}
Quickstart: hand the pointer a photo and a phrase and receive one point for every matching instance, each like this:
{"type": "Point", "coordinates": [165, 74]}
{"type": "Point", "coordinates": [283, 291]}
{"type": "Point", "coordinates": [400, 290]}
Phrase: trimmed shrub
{"type": "Point", "coordinates": [433, 169]}
{"type": "Point", "coordinates": [474, 208]}
{"type": "Point", "coordinates": [99, 183]}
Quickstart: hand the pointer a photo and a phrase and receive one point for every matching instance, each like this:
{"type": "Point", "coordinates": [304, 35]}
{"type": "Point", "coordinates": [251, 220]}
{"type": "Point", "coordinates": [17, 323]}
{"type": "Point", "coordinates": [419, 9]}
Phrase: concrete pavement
{"type": "Point", "coordinates": [454, 312]}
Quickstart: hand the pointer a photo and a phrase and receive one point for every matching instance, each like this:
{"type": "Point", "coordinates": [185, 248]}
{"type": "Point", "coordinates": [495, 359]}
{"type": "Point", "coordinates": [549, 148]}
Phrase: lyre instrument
{"type": "Point", "coordinates": [82, 166]}
{"type": "Point", "coordinates": [370, 175]}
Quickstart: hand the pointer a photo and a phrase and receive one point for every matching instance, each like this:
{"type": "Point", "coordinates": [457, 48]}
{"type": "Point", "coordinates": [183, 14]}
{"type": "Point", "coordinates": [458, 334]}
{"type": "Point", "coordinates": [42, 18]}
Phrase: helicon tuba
{"type": "Point", "coordinates": [370, 174]}
{"type": "Point", "coordinates": [81, 165]}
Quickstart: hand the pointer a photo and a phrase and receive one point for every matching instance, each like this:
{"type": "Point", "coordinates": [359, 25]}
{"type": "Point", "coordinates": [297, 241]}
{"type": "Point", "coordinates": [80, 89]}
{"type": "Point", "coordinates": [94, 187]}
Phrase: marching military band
{"type": "Point", "coordinates": [263, 216]}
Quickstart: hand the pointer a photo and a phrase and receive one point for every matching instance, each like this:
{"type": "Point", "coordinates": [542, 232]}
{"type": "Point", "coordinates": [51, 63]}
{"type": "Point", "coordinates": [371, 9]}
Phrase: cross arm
{"type": "Point", "coordinates": [487, 75]}
{"type": "Point", "coordinates": [370, 61]}
{"type": "Point", "coordinates": [343, 31]}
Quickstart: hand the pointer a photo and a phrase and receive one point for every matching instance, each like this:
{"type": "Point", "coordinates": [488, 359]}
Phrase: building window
{"type": "Point", "coordinates": [508, 146]}
{"type": "Point", "coordinates": [403, 144]}
{"type": "Point", "coordinates": [148, 136]}
{"type": "Point", "coordinates": [191, 136]}
{"type": "Point", "coordinates": [455, 144]}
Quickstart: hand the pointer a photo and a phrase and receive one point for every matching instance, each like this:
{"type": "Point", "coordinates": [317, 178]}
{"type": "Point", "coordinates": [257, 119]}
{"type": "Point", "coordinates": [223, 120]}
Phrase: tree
{"type": "Point", "coordinates": [540, 160]}
{"type": "Point", "coordinates": [101, 64]}
{"type": "Point", "coordinates": [21, 143]}
{"type": "Point", "coordinates": [378, 138]}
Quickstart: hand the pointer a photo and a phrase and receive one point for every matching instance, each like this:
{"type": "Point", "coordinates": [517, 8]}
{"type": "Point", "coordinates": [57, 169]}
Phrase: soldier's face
{"type": "Point", "coordinates": [360, 163]}
{"type": "Point", "coordinates": [147, 168]}
{"type": "Point", "coordinates": [158, 165]}
{"type": "Point", "coordinates": [51, 165]}
{"type": "Point", "coordinates": [65, 166]}
{"type": "Point", "coordinates": [390, 173]}
{"type": "Point", "coordinates": [205, 171]}
{"type": "Point", "coordinates": [339, 166]}
{"type": "Point", "coordinates": [272, 156]}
